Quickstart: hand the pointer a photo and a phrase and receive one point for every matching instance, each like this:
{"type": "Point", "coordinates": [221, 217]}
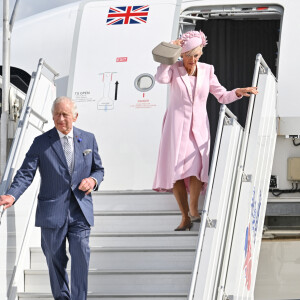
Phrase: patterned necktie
{"type": "Point", "coordinates": [68, 153]}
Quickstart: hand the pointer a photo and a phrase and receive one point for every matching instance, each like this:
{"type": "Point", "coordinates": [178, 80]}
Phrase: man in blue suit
{"type": "Point", "coordinates": [70, 169]}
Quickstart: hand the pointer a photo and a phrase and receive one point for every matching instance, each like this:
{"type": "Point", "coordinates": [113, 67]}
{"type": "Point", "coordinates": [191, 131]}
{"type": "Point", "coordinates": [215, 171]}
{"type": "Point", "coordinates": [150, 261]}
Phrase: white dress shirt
{"type": "Point", "coordinates": [70, 134]}
{"type": "Point", "coordinates": [70, 138]}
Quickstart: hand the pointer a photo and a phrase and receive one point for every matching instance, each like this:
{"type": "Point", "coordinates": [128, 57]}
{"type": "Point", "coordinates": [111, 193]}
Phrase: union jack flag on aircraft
{"type": "Point", "coordinates": [127, 15]}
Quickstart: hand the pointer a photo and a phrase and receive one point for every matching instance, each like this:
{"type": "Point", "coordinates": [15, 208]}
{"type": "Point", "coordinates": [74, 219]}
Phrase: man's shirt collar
{"type": "Point", "coordinates": [61, 135]}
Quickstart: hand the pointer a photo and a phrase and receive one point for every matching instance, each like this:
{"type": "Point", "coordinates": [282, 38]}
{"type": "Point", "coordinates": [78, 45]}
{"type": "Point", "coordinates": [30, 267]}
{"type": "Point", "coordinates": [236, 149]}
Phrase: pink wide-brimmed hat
{"type": "Point", "coordinates": [192, 39]}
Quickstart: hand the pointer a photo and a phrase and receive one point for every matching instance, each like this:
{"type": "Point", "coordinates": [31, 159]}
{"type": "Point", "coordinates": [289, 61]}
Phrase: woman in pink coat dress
{"type": "Point", "coordinates": [183, 159]}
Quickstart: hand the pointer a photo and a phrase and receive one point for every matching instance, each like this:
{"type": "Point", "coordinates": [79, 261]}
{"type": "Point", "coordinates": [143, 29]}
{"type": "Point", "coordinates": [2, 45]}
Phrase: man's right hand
{"type": "Point", "coordinates": [7, 201]}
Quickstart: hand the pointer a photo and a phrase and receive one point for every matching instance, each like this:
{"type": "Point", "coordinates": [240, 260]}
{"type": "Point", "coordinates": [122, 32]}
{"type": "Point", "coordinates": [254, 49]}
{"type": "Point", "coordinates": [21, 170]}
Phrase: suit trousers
{"type": "Point", "coordinates": [77, 231]}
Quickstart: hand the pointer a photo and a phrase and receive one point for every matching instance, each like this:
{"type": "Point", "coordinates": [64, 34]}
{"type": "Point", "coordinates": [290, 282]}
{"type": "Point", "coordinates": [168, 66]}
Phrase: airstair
{"type": "Point", "coordinates": [236, 200]}
{"type": "Point", "coordinates": [16, 225]}
{"type": "Point", "coordinates": [135, 252]}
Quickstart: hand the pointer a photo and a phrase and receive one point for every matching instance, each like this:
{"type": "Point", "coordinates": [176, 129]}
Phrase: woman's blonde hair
{"type": "Point", "coordinates": [193, 51]}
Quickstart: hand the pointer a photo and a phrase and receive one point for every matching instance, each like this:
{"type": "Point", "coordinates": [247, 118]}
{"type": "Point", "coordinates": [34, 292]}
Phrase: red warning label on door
{"type": "Point", "coordinates": [121, 59]}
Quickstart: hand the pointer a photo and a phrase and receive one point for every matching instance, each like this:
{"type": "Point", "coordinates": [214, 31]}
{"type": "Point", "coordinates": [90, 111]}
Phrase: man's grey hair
{"type": "Point", "coordinates": [65, 99]}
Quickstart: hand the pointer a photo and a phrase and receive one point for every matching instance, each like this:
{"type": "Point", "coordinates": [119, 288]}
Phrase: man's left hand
{"type": "Point", "coordinates": [87, 185]}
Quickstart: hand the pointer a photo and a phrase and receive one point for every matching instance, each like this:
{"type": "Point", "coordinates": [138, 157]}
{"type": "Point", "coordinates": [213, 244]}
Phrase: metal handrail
{"type": "Point", "coordinates": [204, 217]}
{"type": "Point", "coordinates": [49, 68]}
{"type": "Point", "coordinates": [20, 132]}
{"type": "Point", "coordinates": [260, 65]}
{"type": "Point", "coordinates": [37, 115]}
{"type": "Point", "coordinates": [259, 62]}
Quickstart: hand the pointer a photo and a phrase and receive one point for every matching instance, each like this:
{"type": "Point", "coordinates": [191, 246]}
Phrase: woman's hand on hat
{"type": "Point", "coordinates": [177, 42]}
{"type": "Point", "coordinates": [246, 91]}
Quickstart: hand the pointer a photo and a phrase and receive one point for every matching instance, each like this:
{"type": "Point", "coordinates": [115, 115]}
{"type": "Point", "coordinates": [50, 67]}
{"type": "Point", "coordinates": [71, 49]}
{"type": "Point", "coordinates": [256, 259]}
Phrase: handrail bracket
{"type": "Point", "coordinates": [211, 223]}
{"type": "Point", "coordinates": [246, 177]}
{"type": "Point", "coordinates": [228, 121]}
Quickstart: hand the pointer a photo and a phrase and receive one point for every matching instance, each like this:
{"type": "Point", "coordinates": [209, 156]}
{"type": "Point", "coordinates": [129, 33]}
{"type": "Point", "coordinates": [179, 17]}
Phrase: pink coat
{"type": "Point", "coordinates": [181, 112]}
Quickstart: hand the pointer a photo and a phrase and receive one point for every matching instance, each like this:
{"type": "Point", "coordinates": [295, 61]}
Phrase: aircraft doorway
{"type": "Point", "coordinates": [235, 36]}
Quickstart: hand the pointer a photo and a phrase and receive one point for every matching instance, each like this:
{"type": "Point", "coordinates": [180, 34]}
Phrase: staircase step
{"type": "Point", "coordinates": [101, 296]}
{"type": "Point", "coordinates": [151, 221]}
{"type": "Point", "coordinates": [138, 213]}
{"type": "Point", "coordinates": [126, 258]}
{"type": "Point", "coordinates": [283, 206]}
{"type": "Point", "coordinates": [11, 258]}
{"type": "Point", "coordinates": [132, 221]}
{"type": "Point", "coordinates": [139, 201]}
{"type": "Point", "coordinates": [135, 281]}
{"type": "Point", "coordinates": [11, 239]}
{"type": "Point", "coordinates": [147, 239]}
{"type": "Point", "coordinates": [134, 239]}
{"type": "Point", "coordinates": [135, 252]}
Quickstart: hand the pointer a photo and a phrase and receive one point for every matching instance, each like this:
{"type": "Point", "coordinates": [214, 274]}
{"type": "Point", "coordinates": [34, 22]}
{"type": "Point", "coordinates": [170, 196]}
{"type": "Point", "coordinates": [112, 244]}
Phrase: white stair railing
{"type": "Point", "coordinates": [240, 265]}
{"type": "Point", "coordinates": [33, 120]}
{"type": "Point", "coordinates": [205, 220]}
{"type": "Point", "coordinates": [223, 193]}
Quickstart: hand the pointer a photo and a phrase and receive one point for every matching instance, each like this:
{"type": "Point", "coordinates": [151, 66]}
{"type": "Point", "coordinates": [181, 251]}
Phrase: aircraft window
{"type": "Point", "coordinates": [144, 82]}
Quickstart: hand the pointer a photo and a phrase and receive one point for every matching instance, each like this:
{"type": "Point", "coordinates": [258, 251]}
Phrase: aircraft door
{"type": "Point", "coordinates": [112, 81]}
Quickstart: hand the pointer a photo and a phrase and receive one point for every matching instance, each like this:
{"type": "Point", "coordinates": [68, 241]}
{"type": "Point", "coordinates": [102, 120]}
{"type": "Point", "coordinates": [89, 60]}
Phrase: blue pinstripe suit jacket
{"type": "Point", "coordinates": [47, 155]}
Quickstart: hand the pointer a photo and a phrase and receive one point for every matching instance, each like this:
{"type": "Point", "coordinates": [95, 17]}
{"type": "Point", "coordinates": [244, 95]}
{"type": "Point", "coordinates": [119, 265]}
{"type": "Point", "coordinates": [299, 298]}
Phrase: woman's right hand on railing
{"type": "Point", "coordinates": [7, 201]}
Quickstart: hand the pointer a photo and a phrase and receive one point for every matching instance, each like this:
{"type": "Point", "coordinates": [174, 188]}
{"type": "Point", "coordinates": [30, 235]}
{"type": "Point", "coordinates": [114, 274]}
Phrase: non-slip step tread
{"type": "Point", "coordinates": [137, 234]}
{"type": "Point", "coordinates": [145, 234]}
{"type": "Point", "coordinates": [132, 192]}
{"type": "Point", "coordinates": [96, 295]}
{"type": "Point", "coordinates": [131, 249]}
{"type": "Point", "coordinates": [137, 213]}
{"type": "Point", "coordinates": [119, 272]}
{"type": "Point", "coordinates": [284, 198]}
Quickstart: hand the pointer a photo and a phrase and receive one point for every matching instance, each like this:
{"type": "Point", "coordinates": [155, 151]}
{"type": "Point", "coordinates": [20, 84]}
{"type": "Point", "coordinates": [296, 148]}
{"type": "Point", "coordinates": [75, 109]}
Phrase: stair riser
{"type": "Point", "coordinates": [11, 223]}
{"type": "Point", "coordinates": [129, 260]}
{"type": "Point", "coordinates": [158, 201]}
{"type": "Point", "coordinates": [11, 263]}
{"type": "Point", "coordinates": [11, 259]}
{"type": "Point", "coordinates": [155, 241]}
{"type": "Point", "coordinates": [129, 223]}
{"type": "Point", "coordinates": [126, 283]}
{"type": "Point", "coordinates": [138, 223]}
{"type": "Point", "coordinates": [108, 298]}
{"type": "Point", "coordinates": [183, 240]}
{"type": "Point", "coordinates": [11, 240]}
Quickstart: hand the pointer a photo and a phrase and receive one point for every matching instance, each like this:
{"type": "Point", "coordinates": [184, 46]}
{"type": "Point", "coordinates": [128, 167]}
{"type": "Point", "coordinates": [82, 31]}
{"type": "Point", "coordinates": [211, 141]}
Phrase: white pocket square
{"type": "Point", "coordinates": [87, 151]}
